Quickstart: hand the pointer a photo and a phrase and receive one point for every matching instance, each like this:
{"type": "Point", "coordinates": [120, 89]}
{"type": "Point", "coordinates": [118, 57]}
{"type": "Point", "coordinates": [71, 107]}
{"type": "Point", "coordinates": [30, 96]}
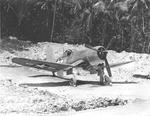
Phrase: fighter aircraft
{"type": "Point", "coordinates": [71, 58]}
{"type": "Point", "coordinates": [89, 57]}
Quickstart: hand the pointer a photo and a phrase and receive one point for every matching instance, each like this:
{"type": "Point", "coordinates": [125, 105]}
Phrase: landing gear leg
{"type": "Point", "coordinates": [104, 79]}
{"type": "Point", "coordinates": [101, 73]}
{"type": "Point", "coordinates": [73, 81]}
{"type": "Point", "coordinates": [54, 75]}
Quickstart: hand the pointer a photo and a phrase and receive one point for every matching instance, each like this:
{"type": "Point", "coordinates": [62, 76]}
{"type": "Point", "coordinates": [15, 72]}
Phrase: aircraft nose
{"type": "Point", "coordinates": [102, 54]}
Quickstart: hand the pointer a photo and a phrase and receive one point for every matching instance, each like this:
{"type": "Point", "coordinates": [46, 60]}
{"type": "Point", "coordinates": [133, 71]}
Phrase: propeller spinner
{"type": "Point", "coordinates": [102, 54]}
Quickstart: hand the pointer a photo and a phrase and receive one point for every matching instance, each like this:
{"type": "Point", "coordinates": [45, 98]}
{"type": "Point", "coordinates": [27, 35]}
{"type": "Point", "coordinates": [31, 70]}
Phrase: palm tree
{"type": "Point", "coordinates": [86, 11]}
{"type": "Point", "coordinates": [138, 11]}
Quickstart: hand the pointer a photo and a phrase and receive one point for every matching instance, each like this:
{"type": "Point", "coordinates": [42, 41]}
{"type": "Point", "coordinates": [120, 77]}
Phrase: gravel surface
{"type": "Point", "coordinates": [25, 99]}
{"type": "Point", "coordinates": [14, 98]}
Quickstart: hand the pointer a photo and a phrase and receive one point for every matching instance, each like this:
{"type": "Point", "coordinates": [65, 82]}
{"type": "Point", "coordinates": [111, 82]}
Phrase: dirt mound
{"type": "Point", "coordinates": [24, 100]}
{"type": "Point", "coordinates": [12, 43]}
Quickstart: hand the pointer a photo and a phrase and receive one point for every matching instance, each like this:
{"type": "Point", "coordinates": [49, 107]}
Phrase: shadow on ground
{"type": "Point", "coordinates": [66, 82]}
{"type": "Point", "coordinates": [10, 66]}
{"type": "Point", "coordinates": [141, 76]}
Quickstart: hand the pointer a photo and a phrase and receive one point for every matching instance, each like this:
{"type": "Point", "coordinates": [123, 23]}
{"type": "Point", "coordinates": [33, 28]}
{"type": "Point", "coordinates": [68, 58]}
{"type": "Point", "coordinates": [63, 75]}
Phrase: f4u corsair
{"type": "Point", "coordinates": [91, 57]}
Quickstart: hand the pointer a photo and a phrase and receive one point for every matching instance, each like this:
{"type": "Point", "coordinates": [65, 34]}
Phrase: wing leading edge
{"type": "Point", "coordinates": [50, 66]}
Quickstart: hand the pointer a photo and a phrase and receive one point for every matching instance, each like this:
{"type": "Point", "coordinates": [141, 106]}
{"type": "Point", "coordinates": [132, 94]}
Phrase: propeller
{"type": "Point", "coordinates": [102, 54]}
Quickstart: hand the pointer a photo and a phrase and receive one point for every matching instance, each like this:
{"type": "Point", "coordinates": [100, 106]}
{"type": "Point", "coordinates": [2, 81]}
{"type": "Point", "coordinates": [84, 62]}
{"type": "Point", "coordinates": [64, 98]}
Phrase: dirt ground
{"type": "Point", "coordinates": [27, 91]}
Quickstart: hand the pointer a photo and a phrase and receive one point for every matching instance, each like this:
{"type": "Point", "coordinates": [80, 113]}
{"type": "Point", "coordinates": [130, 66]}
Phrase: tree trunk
{"type": "Point", "coordinates": [132, 37]}
{"type": "Point", "coordinates": [53, 24]}
{"type": "Point", "coordinates": [104, 34]}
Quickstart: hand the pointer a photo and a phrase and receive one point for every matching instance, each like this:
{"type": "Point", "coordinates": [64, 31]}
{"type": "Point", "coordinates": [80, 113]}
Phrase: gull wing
{"type": "Point", "coordinates": [50, 66]}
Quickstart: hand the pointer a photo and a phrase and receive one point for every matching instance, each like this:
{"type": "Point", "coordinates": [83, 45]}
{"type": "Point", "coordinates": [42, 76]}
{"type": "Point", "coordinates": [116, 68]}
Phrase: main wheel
{"type": "Point", "coordinates": [73, 82]}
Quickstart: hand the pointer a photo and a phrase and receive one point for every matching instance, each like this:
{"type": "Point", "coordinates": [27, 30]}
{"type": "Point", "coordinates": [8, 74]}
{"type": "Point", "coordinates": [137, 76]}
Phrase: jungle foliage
{"type": "Point", "coordinates": [116, 24]}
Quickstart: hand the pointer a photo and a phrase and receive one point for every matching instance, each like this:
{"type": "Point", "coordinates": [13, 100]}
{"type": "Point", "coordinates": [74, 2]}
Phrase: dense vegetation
{"type": "Point", "coordinates": [116, 24]}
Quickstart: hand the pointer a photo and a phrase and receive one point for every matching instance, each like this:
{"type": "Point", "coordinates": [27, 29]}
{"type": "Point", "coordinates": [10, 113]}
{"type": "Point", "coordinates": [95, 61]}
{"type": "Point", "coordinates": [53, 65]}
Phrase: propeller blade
{"type": "Point", "coordinates": [90, 47]}
{"type": "Point", "coordinates": [103, 51]}
{"type": "Point", "coordinates": [108, 68]}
